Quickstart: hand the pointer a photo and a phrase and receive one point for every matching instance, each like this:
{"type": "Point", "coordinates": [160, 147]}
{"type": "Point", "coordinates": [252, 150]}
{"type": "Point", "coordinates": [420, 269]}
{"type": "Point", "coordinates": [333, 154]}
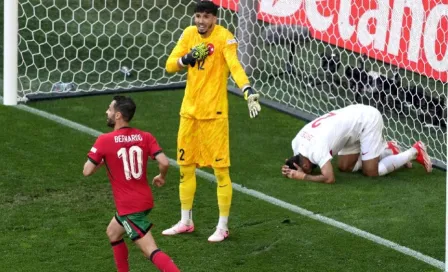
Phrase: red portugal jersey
{"type": "Point", "coordinates": [125, 153]}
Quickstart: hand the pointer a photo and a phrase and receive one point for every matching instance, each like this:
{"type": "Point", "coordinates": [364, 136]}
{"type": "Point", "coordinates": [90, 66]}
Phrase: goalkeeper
{"type": "Point", "coordinates": [208, 52]}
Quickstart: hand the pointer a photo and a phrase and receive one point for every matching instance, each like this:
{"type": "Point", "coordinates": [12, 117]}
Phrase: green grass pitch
{"type": "Point", "coordinates": [54, 219]}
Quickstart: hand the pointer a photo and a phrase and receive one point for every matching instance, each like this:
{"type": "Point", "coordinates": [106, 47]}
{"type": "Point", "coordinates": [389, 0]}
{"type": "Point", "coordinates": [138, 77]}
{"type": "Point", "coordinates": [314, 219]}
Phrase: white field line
{"type": "Point", "coordinates": [376, 239]}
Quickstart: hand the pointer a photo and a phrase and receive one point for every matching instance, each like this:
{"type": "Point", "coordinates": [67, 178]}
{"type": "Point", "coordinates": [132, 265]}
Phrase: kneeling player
{"type": "Point", "coordinates": [355, 134]}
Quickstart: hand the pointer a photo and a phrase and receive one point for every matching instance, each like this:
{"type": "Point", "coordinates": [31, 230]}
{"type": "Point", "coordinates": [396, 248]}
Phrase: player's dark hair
{"type": "Point", "coordinates": [126, 106]}
{"type": "Point", "coordinates": [206, 6]}
{"type": "Point", "coordinates": [297, 159]}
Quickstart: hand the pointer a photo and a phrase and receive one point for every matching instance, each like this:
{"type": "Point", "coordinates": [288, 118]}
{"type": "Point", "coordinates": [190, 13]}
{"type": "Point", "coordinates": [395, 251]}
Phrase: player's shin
{"type": "Point", "coordinates": [120, 255]}
{"type": "Point", "coordinates": [162, 261]}
{"type": "Point", "coordinates": [187, 190]}
{"type": "Point", "coordinates": [391, 163]}
{"type": "Point", "coordinates": [224, 193]}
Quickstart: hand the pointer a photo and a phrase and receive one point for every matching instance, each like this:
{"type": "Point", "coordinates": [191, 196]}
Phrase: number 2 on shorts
{"type": "Point", "coordinates": [182, 152]}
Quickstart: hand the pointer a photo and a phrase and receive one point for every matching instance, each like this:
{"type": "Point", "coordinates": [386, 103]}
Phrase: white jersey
{"type": "Point", "coordinates": [327, 135]}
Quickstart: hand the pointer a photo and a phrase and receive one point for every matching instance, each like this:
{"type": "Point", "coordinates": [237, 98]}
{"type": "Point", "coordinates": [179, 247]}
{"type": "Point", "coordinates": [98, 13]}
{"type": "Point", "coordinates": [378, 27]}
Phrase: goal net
{"type": "Point", "coordinates": [306, 55]}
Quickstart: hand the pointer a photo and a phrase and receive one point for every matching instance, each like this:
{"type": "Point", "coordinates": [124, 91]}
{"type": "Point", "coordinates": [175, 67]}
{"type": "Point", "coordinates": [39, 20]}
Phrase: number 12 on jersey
{"type": "Point", "coordinates": [132, 162]}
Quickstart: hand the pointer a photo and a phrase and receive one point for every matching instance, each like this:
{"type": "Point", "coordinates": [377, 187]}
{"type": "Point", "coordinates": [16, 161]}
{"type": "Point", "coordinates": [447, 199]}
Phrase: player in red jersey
{"type": "Point", "coordinates": [125, 152]}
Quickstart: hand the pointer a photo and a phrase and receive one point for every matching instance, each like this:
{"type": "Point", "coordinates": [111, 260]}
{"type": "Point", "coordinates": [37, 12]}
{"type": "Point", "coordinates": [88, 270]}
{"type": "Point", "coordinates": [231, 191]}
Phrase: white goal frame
{"type": "Point", "coordinates": [10, 38]}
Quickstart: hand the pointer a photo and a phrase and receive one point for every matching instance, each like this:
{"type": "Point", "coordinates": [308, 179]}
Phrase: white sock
{"type": "Point", "coordinates": [358, 165]}
{"type": "Point", "coordinates": [390, 163]}
{"type": "Point", "coordinates": [222, 223]}
{"type": "Point", "coordinates": [386, 153]}
{"type": "Point", "coordinates": [186, 217]}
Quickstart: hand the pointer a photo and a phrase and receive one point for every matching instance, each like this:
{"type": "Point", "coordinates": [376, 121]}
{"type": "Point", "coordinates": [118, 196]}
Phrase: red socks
{"type": "Point", "coordinates": [120, 255]}
{"type": "Point", "coordinates": [163, 262]}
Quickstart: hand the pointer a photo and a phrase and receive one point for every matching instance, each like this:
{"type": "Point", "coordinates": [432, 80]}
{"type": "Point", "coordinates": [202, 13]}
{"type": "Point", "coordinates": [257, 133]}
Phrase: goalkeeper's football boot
{"type": "Point", "coordinates": [422, 156]}
{"type": "Point", "coordinates": [395, 148]}
{"type": "Point", "coordinates": [219, 235]}
{"type": "Point", "coordinates": [179, 228]}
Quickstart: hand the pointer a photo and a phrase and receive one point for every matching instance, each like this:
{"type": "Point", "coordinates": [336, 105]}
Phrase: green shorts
{"type": "Point", "coordinates": [135, 224]}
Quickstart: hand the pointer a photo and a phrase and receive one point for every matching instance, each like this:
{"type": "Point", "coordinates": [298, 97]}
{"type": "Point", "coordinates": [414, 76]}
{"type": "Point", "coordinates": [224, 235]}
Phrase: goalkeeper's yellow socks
{"type": "Point", "coordinates": [187, 189]}
{"type": "Point", "coordinates": [224, 191]}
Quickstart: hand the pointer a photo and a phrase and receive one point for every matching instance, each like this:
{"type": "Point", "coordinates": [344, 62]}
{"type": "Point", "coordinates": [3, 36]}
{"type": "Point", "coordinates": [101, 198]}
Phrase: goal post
{"type": "Point", "coordinates": [10, 52]}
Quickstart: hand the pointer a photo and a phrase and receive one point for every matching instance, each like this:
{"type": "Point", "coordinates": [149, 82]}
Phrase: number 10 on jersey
{"type": "Point", "coordinates": [132, 162]}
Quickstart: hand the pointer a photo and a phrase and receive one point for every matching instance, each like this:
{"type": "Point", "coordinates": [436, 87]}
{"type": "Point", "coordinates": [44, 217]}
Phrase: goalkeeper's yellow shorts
{"type": "Point", "coordinates": [203, 142]}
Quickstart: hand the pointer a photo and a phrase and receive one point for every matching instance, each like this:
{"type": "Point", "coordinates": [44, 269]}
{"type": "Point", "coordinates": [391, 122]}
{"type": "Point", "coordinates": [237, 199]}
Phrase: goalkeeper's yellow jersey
{"type": "Point", "coordinates": [206, 91]}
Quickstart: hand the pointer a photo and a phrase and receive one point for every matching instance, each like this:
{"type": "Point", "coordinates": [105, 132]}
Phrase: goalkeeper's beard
{"type": "Point", "coordinates": [206, 31]}
{"type": "Point", "coordinates": [202, 32]}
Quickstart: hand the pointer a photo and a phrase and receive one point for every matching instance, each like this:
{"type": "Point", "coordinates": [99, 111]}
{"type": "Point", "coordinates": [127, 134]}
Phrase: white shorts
{"type": "Point", "coordinates": [371, 142]}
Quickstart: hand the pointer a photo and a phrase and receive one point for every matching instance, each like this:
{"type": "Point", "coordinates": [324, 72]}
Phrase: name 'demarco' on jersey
{"type": "Point", "coordinates": [128, 138]}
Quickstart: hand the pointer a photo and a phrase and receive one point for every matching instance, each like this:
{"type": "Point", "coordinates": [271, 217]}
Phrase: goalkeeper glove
{"type": "Point", "coordinates": [252, 101]}
{"type": "Point", "coordinates": [199, 52]}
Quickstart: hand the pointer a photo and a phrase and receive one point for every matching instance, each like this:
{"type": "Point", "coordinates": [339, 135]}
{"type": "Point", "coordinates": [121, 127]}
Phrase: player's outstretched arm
{"type": "Point", "coordinates": [164, 164]}
{"type": "Point", "coordinates": [240, 77]}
